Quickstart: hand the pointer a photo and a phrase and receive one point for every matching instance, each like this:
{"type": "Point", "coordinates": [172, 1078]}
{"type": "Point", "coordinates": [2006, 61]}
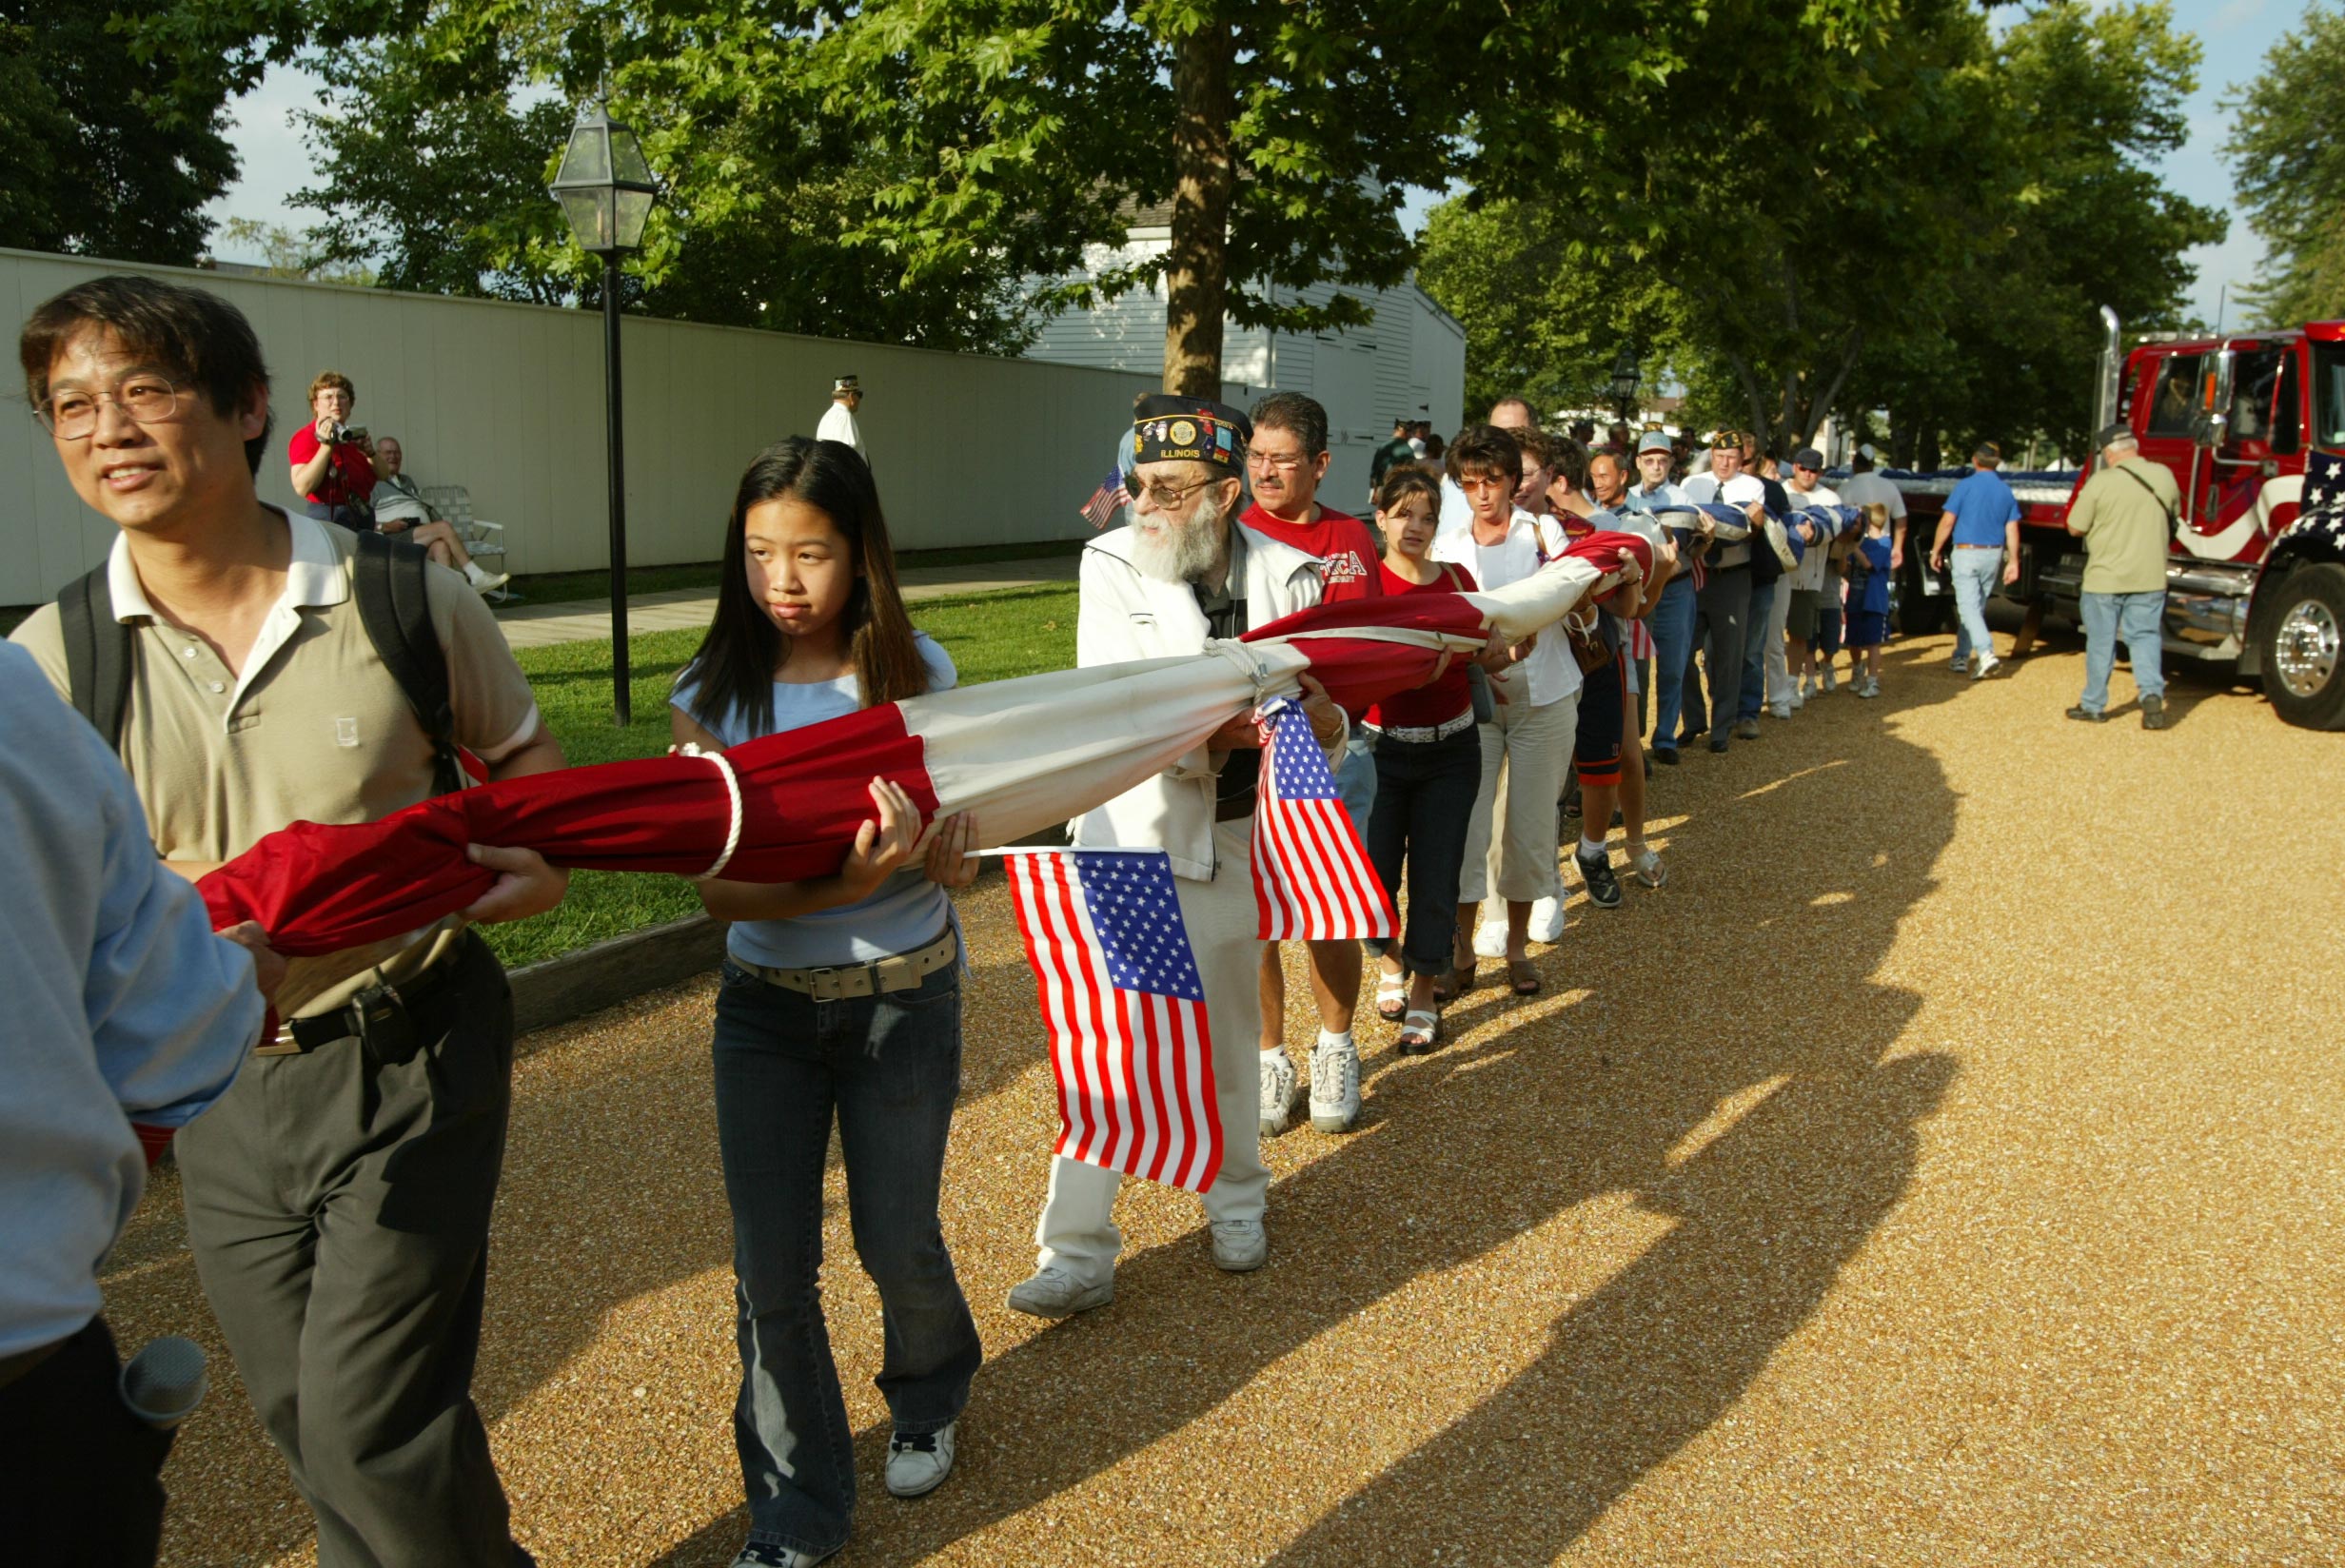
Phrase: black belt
{"type": "Point", "coordinates": [1234, 808]}
{"type": "Point", "coordinates": [376, 1004]}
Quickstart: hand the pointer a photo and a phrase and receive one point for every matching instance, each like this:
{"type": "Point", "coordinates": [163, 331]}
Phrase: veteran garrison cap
{"type": "Point", "coordinates": [1175, 429]}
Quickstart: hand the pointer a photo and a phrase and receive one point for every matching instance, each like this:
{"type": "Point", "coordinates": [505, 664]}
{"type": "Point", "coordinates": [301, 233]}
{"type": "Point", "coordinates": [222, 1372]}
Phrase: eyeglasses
{"type": "Point", "coordinates": [74, 416]}
{"type": "Point", "coordinates": [1489, 482]}
{"type": "Point", "coordinates": [1166, 498]}
{"type": "Point", "coordinates": [1267, 459]}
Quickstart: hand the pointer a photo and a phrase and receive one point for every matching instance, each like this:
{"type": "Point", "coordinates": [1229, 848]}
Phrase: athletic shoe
{"type": "Point", "coordinates": [1960, 666]}
{"type": "Point", "coordinates": [2152, 712]}
{"type": "Point", "coordinates": [1277, 1091]}
{"type": "Point", "coordinates": [1831, 679]}
{"type": "Point", "coordinates": [1334, 1085]}
{"type": "Point", "coordinates": [489, 583]}
{"type": "Point", "coordinates": [1868, 688]}
{"type": "Point", "coordinates": [1240, 1246]}
{"type": "Point", "coordinates": [1800, 700]}
{"type": "Point", "coordinates": [1547, 922]}
{"type": "Point", "coordinates": [1603, 888]}
{"type": "Point", "coordinates": [2087, 715]}
{"type": "Point", "coordinates": [1646, 865]}
{"type": "Point", "coordinates": [1746, 730]}
{"type": "Point", "coordinates": [919, 1461]}
{"type": "Point", "coordinates": [1055, 1293]}
{"type": "Point", "coordinates": [1989, 664]}
{"type": "Point", "coordinates": [762, 1553]}
{"type": "Point", "coordinates": [1491, 938]}
{"type": "Point", "coordinates": [1781, 710]}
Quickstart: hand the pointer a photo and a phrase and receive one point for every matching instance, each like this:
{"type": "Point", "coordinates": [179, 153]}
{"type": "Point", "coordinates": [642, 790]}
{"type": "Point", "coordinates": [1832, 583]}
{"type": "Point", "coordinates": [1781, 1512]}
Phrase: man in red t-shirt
{"type": "Point", "coordinates": [1285, 462]}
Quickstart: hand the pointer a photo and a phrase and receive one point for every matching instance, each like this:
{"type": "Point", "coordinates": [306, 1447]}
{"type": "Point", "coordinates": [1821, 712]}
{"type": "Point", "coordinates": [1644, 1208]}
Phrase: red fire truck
{"type": "Point", "coordinates": [2255, 577]}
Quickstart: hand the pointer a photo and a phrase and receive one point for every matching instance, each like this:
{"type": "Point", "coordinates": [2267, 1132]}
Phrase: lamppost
{"type": "Point", "coordinates": [1626, 372]}
{"type": "Point", "coordinates": [606, 189]}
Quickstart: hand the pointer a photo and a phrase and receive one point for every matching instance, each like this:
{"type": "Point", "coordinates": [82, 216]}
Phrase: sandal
{"type": "Point", "coordinates": [1461, 977]}
{"type": "Point", "coordinates": [1522, 978]}
{"type": "Point", "coordinates": [1418, 1037]}
{"type": "Point", "coordinates": [1391, 995]}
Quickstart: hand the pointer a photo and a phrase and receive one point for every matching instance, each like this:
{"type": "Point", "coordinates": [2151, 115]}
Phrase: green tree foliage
{"type": "Point", "coordinates": [93, 160]}
{"type": "Point", "coordinates": [431, 172]}
{"type": "Point", "coordinates": [2287, 156]}
{"type": "Point", "coordinates": [1853, 208]}
{"type": "Point", "coordinates": [282, 253]}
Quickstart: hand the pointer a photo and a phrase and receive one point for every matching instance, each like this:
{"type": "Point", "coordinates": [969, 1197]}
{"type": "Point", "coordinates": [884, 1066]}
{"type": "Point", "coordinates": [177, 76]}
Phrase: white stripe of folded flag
{"type": "Point", "coordinates": [1312, 876]}
{"type": "Point", "coordinates": [1124, 1007]}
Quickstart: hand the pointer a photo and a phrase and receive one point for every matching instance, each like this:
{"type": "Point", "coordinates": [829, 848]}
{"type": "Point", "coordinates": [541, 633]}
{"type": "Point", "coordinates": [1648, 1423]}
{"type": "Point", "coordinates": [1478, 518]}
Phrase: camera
{"type": "Point", "coordinates": [346, 434]}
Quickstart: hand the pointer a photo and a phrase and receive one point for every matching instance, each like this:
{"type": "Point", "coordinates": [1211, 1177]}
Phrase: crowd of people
{"type": "Point", "coordinates": [340, 1155]}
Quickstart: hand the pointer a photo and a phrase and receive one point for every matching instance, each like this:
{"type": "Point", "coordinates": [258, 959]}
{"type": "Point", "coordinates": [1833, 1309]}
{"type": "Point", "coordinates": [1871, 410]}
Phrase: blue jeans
{"type": "Point", "coordinates": [2141, 620]}
{"type": "Point", "coordinates": [1672, 625]}
{"type": "Point", "coordinates": [1755, 640]}
{"type": "Point", "coordinates": [889, 1067]}
{"type": "Point", "coordinates": [1974, 569]}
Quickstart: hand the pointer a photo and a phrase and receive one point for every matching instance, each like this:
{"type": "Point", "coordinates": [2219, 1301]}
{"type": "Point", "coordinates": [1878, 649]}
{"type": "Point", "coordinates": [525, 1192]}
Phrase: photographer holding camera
{"type": "Point", "coordinates": [333, 460]}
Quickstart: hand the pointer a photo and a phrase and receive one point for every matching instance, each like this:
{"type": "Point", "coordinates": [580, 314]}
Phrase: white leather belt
{"type": "Point", "coordinates": [846, 982]}
{"type": "Point", "coordinates": [1421, 735]}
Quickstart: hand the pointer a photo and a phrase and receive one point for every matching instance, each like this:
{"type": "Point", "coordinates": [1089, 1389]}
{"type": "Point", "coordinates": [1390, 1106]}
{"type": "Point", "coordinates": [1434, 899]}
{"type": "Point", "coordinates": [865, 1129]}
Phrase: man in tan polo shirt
{"type": "Point", "coordinates": [338, 1195]}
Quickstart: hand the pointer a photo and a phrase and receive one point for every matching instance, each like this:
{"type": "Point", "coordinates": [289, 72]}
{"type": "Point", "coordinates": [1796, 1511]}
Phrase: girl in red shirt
{"type": "Point", "coordinates": [1428, 765]}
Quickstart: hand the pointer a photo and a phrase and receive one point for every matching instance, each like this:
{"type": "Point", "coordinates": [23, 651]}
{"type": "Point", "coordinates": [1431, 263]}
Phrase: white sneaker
{"type": "Point", "coordinates": [1800, 698]}
{"type": "Point", "coordinates": [1781, 710]}
{"type": "Point", "coordinates": [918, 1464]}
{"type": "Point", "coordinates": [759, 1554]}
{"type": "Point", "coordinates": [489, 583]}
{"type": "Point", "coordinates": [1055, 1293]}
{"type": "Point", "coordinates": [1870, 688]}
{"type": "Point", "coordinates": [1647, 866]}
{"type": "Point", "coordinates": [1546, 924]}
{"type": "Point", "coordinates": [1240, 1246]}
{"type": "Point", "coordinates": [1334, 1085]}
{"type": "Point", "coordinates": [1490, 939]}
{"type": "Point", "coordinates": [1989, 664]}
{"type": "Point", "coordinates": [1831, 679]}
{"type": "Point", "coordinates": [1277, 1091]}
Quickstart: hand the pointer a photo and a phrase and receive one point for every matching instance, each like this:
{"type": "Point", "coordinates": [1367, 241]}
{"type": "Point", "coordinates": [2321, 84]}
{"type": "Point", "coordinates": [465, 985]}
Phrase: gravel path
{"type": "Point", "coordinates": [1943, 1169]}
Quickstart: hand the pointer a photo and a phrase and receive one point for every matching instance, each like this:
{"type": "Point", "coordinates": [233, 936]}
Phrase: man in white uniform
{"type": "Point", "coordinates": [838, 420]}
{"type": "Point", "coordinates": [1182, 571]}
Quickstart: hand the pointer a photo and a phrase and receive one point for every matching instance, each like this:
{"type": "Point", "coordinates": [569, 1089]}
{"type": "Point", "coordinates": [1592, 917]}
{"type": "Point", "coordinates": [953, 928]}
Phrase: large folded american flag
{"type": "Point", "coordinates": [1311, 875]}
{"type": "Point", "coordinates": [1111, 498]}
{"type": "Point", "coordinates": [1125, 1010]}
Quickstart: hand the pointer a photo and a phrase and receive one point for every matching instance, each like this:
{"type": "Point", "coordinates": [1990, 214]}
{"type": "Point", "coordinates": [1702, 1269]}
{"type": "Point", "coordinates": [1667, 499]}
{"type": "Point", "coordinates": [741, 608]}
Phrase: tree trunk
{"type": "Point", "coordinates": [1196, 271]}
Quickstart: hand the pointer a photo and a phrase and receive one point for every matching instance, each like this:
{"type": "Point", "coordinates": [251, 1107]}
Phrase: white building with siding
{"type": "Point", "coordinates": [1409, 363]}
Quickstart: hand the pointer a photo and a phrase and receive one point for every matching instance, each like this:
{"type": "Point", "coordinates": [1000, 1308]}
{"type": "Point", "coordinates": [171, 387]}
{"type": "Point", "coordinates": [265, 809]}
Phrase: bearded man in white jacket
{"type": "Point", "coordinates": [1182, 571]}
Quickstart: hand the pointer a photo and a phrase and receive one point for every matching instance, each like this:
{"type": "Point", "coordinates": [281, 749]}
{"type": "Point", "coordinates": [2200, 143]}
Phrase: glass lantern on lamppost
{"type": "Point", "coordinates": [1626, 373]}
{"type": "Point", "coordinates": [606, 190]}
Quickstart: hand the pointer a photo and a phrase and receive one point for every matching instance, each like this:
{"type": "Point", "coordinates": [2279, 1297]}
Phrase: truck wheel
{"type": "Point", "coordinates": [2303, 662]}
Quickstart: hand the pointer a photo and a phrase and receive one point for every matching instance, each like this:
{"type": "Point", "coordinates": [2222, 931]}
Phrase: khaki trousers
{"type": "Point", "coordinates": [1076, 1231]}
{"type": "Point", "coordinates": [1511, 843]}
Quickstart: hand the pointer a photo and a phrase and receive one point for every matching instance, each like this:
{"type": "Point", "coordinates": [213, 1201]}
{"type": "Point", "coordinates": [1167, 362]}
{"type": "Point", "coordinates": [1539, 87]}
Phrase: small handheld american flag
{"type": "Point", "coordinates": [1125, 1007]}
{"type": "Point", "coordinates": [1311, 875]}
{"type": "Point", "coordinates": [1109, 498]}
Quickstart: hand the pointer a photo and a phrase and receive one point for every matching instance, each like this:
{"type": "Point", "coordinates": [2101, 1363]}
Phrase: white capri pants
{"type": "Point", "coordinates": [1533, 745]}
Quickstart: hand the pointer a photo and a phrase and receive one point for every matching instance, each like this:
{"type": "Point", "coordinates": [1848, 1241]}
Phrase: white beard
{"type": "Point", "coordinates": [1182, 552]}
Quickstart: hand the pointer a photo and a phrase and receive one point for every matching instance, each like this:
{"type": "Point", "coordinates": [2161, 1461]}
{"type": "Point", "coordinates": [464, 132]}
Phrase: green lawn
{"type": "Point", "coordinates": [991, 636]}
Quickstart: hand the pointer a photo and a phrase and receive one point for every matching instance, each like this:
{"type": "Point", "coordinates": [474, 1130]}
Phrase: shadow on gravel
{"type": "Point", "coordinates": [1749, 976]}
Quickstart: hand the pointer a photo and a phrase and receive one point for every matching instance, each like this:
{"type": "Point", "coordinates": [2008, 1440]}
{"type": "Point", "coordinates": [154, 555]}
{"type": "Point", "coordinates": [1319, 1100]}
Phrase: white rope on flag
{"type": "Point", "coordinates": [733, 792]}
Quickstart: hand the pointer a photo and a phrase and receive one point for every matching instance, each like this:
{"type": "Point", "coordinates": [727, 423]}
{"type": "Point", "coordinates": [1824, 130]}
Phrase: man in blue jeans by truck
{"type": "Point", "coordinates": [1983, 520]}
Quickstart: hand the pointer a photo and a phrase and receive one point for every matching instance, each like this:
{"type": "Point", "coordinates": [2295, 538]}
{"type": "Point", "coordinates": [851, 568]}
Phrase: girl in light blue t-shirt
{"type": "Point", "coordinates": [840, 1002]}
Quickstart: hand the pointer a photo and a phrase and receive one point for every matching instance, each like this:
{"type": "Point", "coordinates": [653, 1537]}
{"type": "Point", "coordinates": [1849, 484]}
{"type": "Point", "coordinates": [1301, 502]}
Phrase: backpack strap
{"type": "Point", "coordinates": [387, 579]}
{"type": "Point", "coordinates": [2173, 523]}
{"type": "Point", "coordinates": [99, 651]}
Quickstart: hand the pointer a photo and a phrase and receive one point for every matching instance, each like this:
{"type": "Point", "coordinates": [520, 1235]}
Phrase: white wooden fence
{"type": "Point", "coordinates": [508, 399]}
